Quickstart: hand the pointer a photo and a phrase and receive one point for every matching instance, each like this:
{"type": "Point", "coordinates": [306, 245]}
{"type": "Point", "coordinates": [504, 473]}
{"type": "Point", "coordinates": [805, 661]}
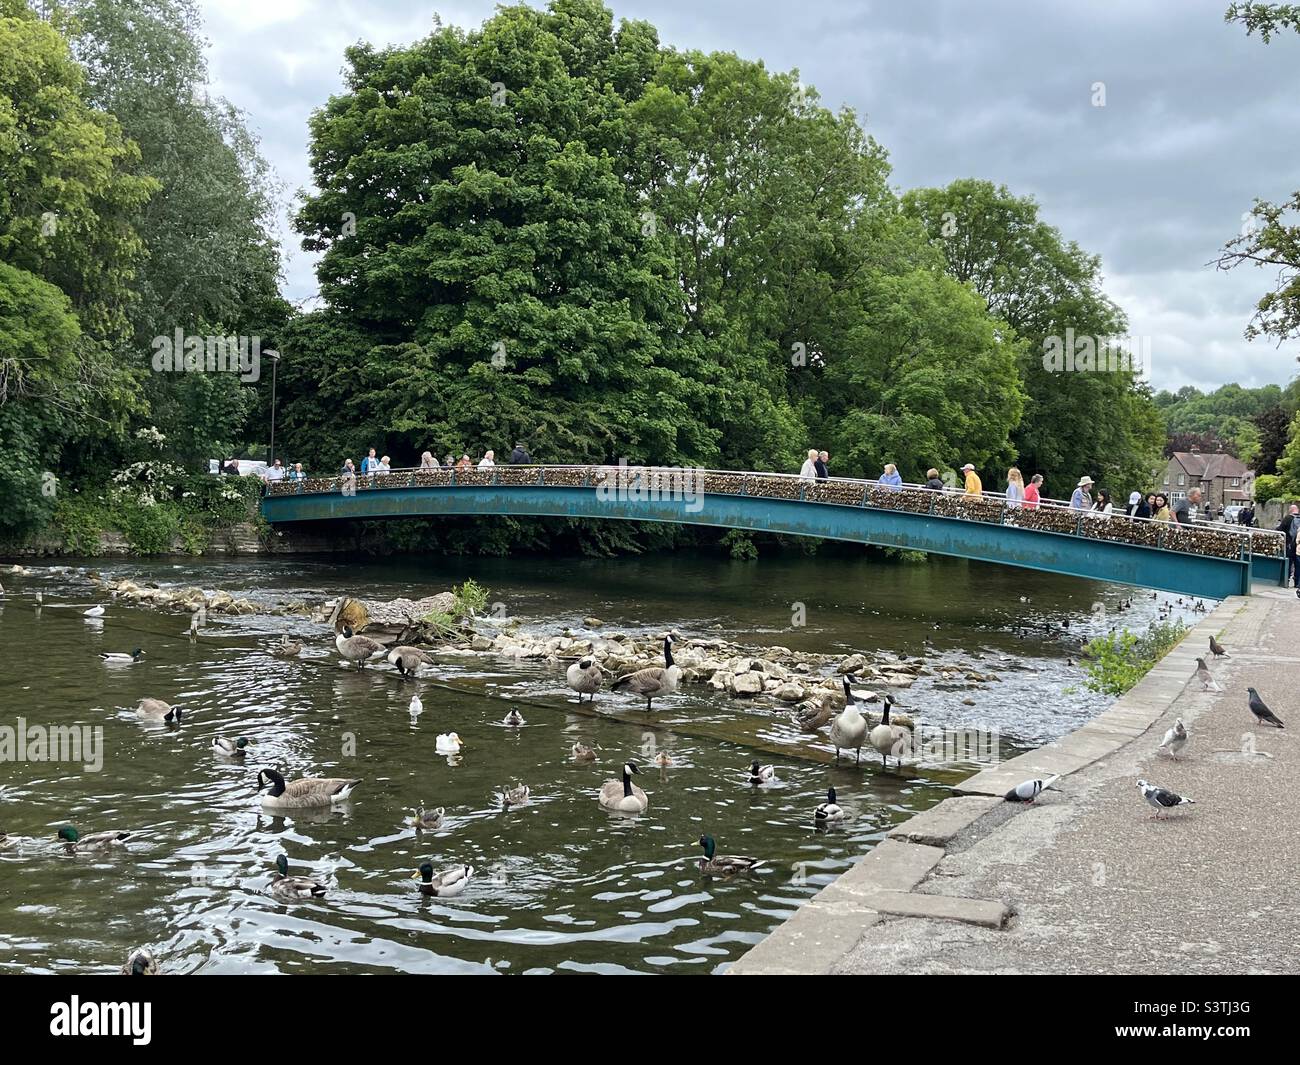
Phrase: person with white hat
{"type": "Point", "coordinates": [974, 486]}
{"type": "Point", "coordinates": [1082, 498]}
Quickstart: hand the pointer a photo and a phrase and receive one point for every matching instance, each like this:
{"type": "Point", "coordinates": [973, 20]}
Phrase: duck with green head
{"type": "Point", "coordinates": [447, 883]}
{"type": "Point", "coordinates": [285, 886]}
{"type": "Point", "coordinates": [75, 843]}
{"type": "Point", "coordinates": [236, 748]}
{"type": "Point", "coordinates": [713, 864]}
{"type": "Point", "coordinates": [140, 962]}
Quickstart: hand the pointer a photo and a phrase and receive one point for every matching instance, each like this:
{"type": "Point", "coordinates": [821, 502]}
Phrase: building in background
{"type": "Point", "coordinates": [1224, 481]}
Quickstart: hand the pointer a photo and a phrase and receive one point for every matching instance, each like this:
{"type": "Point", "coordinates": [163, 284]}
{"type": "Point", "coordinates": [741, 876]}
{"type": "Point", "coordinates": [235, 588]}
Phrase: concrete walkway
{"type": "Point", "coordinates": [1083, 881]}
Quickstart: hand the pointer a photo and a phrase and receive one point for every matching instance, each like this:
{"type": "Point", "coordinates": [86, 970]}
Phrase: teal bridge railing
{"type": "Point", "coordinates": [1209, 560]}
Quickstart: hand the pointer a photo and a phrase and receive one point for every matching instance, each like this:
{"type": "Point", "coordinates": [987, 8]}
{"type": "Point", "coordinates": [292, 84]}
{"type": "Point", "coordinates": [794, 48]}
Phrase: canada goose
{"type": "Point", "coordinates": [448, 743]}
{"type": "Point", "coordinates": [447, 883]}
{"type": "Point", "coordinates": [286, 648]}
{"type": "Point", "coordinates": [408, 660]}
{"type": "Point", "coordinates": [356, 649]}
{"type": "Point", "coordinates": [829, 811]}
{"type": "Point", "coordinates": [762, 774]}
{"type": "Point", "coordinates": [624, 796]}
{"type": "Point", "coordinates": [416, 706]}
{"type": "Point", "coordinates": [140, 962]}
{"type": "Point", "coordinates": [516, 796]}
{"type": "Point", "coordinates": [75, 843]}
{"type": "Point", "coordinates": [285, 886]}
{"type": "Point", "coordinates": [585, 677]}
{"type": "Point", "coordinates": [655, 680]}
{"type": "Point", "coordinates": [513, 719]}
{"type": "Point", "coordinates": [120, 656]}
{"type": "Point", "coordinates": [849, 729]}
{"type": "Point", "coordinates": [883, 737]}
{"type": "Point", "coordinates": [156, 710]}
{"type": "Point", "coordinates": [724, 864]}
{"type": "Point", "coordinates": [427, 820]}
{"type": "Point", "coordinates": [582, 753]}
{"type": "Point", "coordinates": [304, 792]}
{"type": "Point", "coordinates": [93, 612]}
{"type": "Point", "coordinates": [236, 748]}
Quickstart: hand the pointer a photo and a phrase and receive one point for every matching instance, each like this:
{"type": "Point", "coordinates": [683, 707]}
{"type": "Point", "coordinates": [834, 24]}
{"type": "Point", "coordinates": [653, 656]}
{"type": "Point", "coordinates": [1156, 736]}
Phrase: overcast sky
{"type": "Point", "coordinates": [1198, 120]}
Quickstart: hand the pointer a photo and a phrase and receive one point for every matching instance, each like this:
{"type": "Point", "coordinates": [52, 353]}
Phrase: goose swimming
{"type": "Point", "coordinates": [622, 795]}
{"type": "Point", "coordinates": [304, 792]}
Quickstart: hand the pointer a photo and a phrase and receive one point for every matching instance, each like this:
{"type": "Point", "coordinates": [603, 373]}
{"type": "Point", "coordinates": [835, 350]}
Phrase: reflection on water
{"type": "Point", "coordinates": [559, 884]}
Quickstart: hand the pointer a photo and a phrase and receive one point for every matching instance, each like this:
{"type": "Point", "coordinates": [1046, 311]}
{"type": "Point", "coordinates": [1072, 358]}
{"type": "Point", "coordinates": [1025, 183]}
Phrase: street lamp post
{"type": "Point", "coordinates": [275, 363]}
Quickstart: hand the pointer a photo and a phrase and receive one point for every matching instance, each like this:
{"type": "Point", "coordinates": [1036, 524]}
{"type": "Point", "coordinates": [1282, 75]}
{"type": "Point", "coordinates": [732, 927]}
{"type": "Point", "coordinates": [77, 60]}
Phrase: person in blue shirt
{"type": "Point", "coordinates": [1082, 499]}
{"type": "Point", "coordinates": [296, 473]}
{"type": "Point", "coordinates": [369, 462]}
{"type": "Point", "coordinates": [891, 478]}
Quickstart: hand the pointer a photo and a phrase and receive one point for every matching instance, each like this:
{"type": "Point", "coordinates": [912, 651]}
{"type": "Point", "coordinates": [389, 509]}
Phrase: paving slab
{"type": "Point", "coordinates": [940, 908]}
{"type": "Point", "coordinates": [937, 826]}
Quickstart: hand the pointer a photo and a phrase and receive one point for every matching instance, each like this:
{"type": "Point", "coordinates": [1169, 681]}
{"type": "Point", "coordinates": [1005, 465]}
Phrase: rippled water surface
{"type": "Point", "coordinates": [559, 884]}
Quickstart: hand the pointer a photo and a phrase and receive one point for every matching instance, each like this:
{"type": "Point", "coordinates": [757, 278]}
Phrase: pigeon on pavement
{"type": "Point", "coordinates": [1217, 649]}
{"type": "Point", "coordinates": [1162, 798]}
{"type": "Point", "coordinates": [1175, 739]}
{"type": "Point", "coordinates": [1029, 789]}
{"type": "Point", "coordinates": [1261, 711]}
{"type": "Point", "coordinates": [1203, 674]}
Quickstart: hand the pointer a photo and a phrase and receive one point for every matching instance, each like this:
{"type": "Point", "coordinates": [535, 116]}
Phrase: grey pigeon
{"type": "Point", "coordinates": [1176, 738]}
{"type": "Point", "coordinates": [1162, 798]}
{"type": "Point", "coordinates": [1261, 711]}
{"type": "Point", "coordinates": [1029, 790]}
{"type": "Point", "coordinates": [1203, 674]}
{"type": "Point", "coordinates": [1217, 649]}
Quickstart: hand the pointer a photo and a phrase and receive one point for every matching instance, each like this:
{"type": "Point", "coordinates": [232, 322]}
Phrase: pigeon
{"type": "Point", "coordinates": [1261, 711]}
{"type": "Point", "coordinates": [1161, 798]}
{"type": "Point", "coordinates": [1217, 650]}
{"type": "Point", "coordinates": [1175, 739]}
{"type": "Point", "coordinates": [1028, 791]}
{"type": "Point", "coordinates": [1203, 674]}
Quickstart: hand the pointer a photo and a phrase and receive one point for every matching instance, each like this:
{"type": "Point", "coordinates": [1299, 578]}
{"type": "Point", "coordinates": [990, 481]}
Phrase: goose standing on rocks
{"type": "Point", "coordinates": [1175, 738]}
{"type": "Point", "coordinates": [358, 649]}
{"type": "Point", "coordinates": [157, 711]}
{"type": "Point", "coordinates": [121, 656]}
{"type": "Point", "coordinates": [829, 811]}
{"type": "Point", "coordinates": [883, 737]}
{"type": "Point", "coordinates": [447, 883]}
{"type": "Point", "coordinates": [1262, 713]}
{"type": "Point", "coordinates": [409, 660]}
{"type": "Point", "coordinates": [624, 796]}
{"type": "Point", "coordinates": [140, 962]}
{"type": "Point", "coordinates": [724, 864]}
{"type": "Point", "coordinates": [849, 729]}
{"type": "Point", "coordinates": [1029, 790]}
{"type": "Point", "coordinates": [1162, 798]}
{"type": "Point", "coordinates": [654, 681]}
{"type": "Point", "coordinates": [585, 677]}
{"type": "Point", "coordinates": [285, 886]}
{"type": "Point", "coordinates": [303, 793]}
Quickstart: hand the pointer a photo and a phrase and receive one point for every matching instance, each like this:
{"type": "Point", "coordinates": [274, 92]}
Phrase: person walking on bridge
{"type": "Point", "coordinates": [1082, 499]}
{"type": "Point", "coordinates": [428, 462]}
{"type": "Point", "coordinates": [1032, 490]}
{"type": "Point", "coordinates": [1185, 509]}
{"type": "Point", "coordinates": [519, 456]}
{"type": "Point", "coordinates": [891, 478]}
{"type": "Point", "coordinates": [823, 464]}
{"type": "Point", "coordinates": [1015, 488]}
{"type": "Point", "coordinates": [974, 486]}
{"type": "Point", "coordinates": [1290, 526]}
{"type": "Point", "coordinates": [809, 470]}
{"type": "Point", "coordinates": [933, 480]}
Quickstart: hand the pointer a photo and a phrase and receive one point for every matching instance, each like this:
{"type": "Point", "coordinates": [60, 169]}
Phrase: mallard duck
{"type": "Point", "coordinates": [358, 649]}
{"type": "Point", "coordinates": [7, 842]}
{"type": "Point", "coordinates": [812, 717]}
{"type": "Point", "coordinates": [447, 883]}
{"type": "Point", "coordinates": [724, 864]}
{"type": "Point", "coordinates": [514, 719]}
{"type": "Point", "coordinates": [829, 811]}
{"type": "Point", "coordinates": [287, 648]}
{"type": "Point", "coordinates": [849, 729]}
{"type": "Point", "coordinates": [75, 843]}
{"type": "Point", "coordinates": [624, 796]}
{"type": "Point", "coordinates": [656, 680]}
{"type": "Point", "coordinates": [516, 796]}
{"type": "Point", "coordinates": [448, 743]}
{"type": "Point", "coordinates": [408, 660]}
{"type": "Point", "coordinates": [285, 886]}
{"type": "Point", "coordinates": [119, 656]}
{"type": "Point", "coordinates": [93, 612]}
{"type": "Point", "coordinates": [427, 820]}
{"type": "Point", "coordinates": [158, 711]}
{"type": "Point", "coordinates": [304, 792]}
{"type": "Point", "coordinates": [582, 753]}
{"type": "Point", "coordinates": [416, 706]}
{"type": "Point", "coordinates": [140, 962]}
{"type": "Point", "coordinates": [883, 737]}
{"type": "Point", "coordinates": [236, 748]}
{"type": "Point", "coordinates": [762, 774]}
{"type": "Point", "coordinates": [585, 677]}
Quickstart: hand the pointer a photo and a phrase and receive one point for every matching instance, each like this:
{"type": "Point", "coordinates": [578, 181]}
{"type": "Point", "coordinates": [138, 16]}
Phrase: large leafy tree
{"type": "Point", "coordinates": [1099, 423]}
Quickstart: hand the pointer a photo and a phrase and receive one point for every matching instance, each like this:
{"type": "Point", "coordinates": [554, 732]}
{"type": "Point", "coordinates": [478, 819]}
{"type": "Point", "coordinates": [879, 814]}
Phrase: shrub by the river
{"type": "Point", "coordinates": [1119, 660]}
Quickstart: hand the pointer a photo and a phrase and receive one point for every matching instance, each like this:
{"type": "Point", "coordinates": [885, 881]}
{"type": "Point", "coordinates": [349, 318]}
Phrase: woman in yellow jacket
{"type": "Point", "coordinates": [974, 487]}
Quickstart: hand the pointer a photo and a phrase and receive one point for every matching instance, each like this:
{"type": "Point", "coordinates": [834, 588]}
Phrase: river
{"type": "Point", "coordinates": [560, 886]}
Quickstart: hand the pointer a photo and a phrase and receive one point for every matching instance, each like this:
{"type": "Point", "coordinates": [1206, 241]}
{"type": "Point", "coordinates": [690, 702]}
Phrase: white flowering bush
{"type": "Point", "coordinates": [147, 483]}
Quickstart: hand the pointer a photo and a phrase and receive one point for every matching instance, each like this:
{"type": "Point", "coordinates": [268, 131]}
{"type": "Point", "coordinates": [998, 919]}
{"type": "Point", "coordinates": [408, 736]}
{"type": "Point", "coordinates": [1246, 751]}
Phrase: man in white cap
{"type": "Point", "coordinates": [1082, 498]}
{"type": "Point", "coordinates": [974, 486]}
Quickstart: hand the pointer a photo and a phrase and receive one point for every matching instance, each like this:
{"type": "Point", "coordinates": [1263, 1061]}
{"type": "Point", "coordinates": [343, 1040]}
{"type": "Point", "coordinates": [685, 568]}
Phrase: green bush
{"type": "Point", "coordinates": [1119, 660]}
{"type": "Point", "coordinates": [1268, 486]}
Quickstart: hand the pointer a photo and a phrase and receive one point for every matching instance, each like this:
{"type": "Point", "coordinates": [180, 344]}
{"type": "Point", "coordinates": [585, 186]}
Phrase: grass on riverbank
{"type": "Point", "coordinates": [1118, 660]}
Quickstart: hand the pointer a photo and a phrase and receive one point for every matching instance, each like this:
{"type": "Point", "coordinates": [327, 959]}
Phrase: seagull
{"type": "Point", "coordinates": [1261, 711]}
{"type": "Point", "coordinates": [1161, 798]}
{"type": "Point", "coordinates": [1175, 738]}
{"type": "Point", "coordinates": [1203, 674]}
{"type": "Point", "coordinates": [93, 612]}
{"type": "Point", "coordinates": [1217, 650]}
{"type": "Point", "coordinates": [1028, 791]}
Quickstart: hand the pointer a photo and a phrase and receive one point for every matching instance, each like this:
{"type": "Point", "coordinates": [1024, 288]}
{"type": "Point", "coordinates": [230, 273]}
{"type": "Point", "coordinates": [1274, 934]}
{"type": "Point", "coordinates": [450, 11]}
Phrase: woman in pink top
{"type": "Point", "coordinates": [1031, 491]}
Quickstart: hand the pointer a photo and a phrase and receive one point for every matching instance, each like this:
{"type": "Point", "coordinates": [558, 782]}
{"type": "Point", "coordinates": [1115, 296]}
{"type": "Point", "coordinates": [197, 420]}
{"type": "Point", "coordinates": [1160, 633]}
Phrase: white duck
{"type": "Point", "coordinates": [93, 612]}
{"type": "Point", "coordinates": [448, 743]}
